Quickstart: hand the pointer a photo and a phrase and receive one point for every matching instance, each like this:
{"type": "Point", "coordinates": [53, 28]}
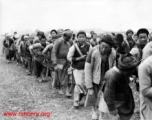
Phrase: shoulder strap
{"type": "Point", "coordinates": [76, 46]}
{"type": "Point", "coordinates": [141, 52]}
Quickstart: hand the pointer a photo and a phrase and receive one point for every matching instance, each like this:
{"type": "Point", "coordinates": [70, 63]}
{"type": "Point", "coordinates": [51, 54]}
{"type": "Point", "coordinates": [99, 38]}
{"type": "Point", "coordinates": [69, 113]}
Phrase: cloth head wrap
{"type": "Point", "coordinates": [119, 38]}
{"type": "Point", "coordinates": [40, 33]}
{"type": "Point", "coordinates": [67, 33]}
{"type": "Point", "coordinates": [127, 62]}
{"type": "Point", "coordinates": [108, 39]}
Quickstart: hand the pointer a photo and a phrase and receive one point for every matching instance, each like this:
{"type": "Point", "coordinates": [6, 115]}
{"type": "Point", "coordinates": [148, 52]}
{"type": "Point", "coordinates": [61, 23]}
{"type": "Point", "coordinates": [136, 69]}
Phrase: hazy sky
{"type": "Point", "coordinates": [113, 15]}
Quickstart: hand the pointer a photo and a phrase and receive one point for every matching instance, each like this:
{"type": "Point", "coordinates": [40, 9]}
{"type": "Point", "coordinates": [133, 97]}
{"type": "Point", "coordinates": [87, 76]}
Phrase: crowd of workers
{"type": "Point", "coordinates": [97, 67]}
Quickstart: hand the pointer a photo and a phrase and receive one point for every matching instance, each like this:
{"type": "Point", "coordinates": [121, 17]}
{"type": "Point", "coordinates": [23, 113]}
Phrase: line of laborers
{"type": "Point", "coordinates": [83, 64]}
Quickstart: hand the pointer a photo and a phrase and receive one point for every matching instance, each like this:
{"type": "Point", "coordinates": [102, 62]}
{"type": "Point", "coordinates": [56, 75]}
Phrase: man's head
{"type": "Point", "coordinates": [26, 38]}
{"type": "Point", "coordinates": [127, 63]}
{"type": "Point", "coordinates": [106, 44]}
{"type": "Point", "coordinates": [22, 37]}
{"type": "Point", "coordinates": [81, 36]}
{"type": "Point", "coordinates": [88, 35]}
{"type": "Point", "coordinates": [119, 40]}
{"type": "Point", "coordinates": [53, 33]}
{"type": "Point", "coordinates": [143, 35]}
{"type": "Point", "coordinates": [101, 36]}
{"type": "Point", "coordinates": [113, 34]}
{"type": "Point", "coordinates": [7, 36]}
{"type": "Point", "coordinates": [15, 33]}
{"type": "Point", "coordinates": [129, 33]}
{"type": "Point", "coordinates": [31, 39]}
{"type": "Point", "coordinates": [135, 37]}
{"type": "Point", "coordinates": [60, 32]}
{"type": "Point", "coordinates": [67, 35]}
{"type": "Point", "coordinates": [40, 34]}
{"type": "Point", "coordinates": [92, 32]}
{"type": "Point", "coordinates": [17, 36]}
{"type": "Point", "coordinates": [43, 41]}
{"type": "Point", "coordinates": [94, 36]}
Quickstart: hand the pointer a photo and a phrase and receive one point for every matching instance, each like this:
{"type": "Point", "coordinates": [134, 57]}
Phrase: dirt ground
{"type": "Point", "coordinates": [22, 93]}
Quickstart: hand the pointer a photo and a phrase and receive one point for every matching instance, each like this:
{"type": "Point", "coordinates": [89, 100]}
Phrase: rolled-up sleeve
{"type": "Point", "coordinates": [36, 45]}
{"type": "Point", "coordinates": [50, 46]}
{"type": "Point", "coordinates": [71, 53]}
{"type": "Point", "coordinates": [88, 70]}
{"type": "Point", "coordinates": [55, 50]}
{"type": "Point", "coordinates": [20, 47]}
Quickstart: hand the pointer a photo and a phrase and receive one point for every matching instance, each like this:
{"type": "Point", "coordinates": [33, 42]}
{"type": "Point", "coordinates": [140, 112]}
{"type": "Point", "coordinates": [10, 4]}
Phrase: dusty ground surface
{"type": "Point", "coordinates": [20, 92]}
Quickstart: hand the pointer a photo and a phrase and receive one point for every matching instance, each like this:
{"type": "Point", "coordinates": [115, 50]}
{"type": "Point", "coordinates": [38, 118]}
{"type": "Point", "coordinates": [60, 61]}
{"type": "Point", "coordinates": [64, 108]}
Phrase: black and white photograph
{"type": "Point", "coordinates": [75, 59]}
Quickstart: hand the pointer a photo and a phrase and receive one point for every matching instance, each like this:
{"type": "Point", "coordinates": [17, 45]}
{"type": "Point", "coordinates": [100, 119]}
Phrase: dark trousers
{"type": "Point", "coordinates": [38, 68]}
{"type": "Point", "coordinates": [30, 65]}
{"type": "Point", "coordinates": [9, 54]}
{"type": "Point", "coordinates": [18, 58]}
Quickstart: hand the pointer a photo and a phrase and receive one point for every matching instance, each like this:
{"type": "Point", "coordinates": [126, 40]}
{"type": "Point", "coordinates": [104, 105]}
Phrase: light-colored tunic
{"type": "Point", "coordinates": [145, 81]}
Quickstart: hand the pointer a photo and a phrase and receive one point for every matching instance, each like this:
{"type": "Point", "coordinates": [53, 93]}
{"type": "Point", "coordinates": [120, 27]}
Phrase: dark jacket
{"type": "Point", "coordinates": [8, 42]}
{"type": "Point", "coordinates": [117, 92]}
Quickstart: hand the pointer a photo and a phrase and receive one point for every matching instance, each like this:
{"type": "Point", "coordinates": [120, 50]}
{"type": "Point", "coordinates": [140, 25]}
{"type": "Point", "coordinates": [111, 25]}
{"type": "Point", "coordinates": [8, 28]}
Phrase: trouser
{"type": "Point", "coordinates": [38, 68]}
{"type": "Point", "coordinates": [30, 65]}
{"type": "Point", "coordinates": [14, 55]}
{"type": "Point", "coordinates": [80, 88]}
{"type": "Point", "coordinates": [18, 57]}
{"type": "Point", "coordinates": [33, 66]}
{"type": "Point", "coordinates": [57, 76]}
{"type": "Point", "coordinates": [25, 62]}
{"type": "Point", "coordinates": [61, 77]}
{"type": "Point", "coordinates": [95, 108]}
{"type": "Point", "coordinates": [8, 53]}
